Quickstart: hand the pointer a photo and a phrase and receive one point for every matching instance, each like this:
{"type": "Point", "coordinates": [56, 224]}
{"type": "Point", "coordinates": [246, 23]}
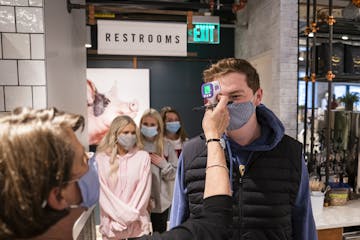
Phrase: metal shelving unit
{"type": "Point", "coordinates": [327, 29]}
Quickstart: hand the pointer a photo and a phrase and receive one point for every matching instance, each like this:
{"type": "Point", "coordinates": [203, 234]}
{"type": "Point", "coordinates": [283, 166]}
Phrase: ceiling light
{"type": "Point", "coordinates": [344, 37]}
{"type": "Point", "coordinates": [87, 45]}
{"type": "Point", "coordinates": [301, 59]}
{"type": "Point", "coordinates": [311, 34]}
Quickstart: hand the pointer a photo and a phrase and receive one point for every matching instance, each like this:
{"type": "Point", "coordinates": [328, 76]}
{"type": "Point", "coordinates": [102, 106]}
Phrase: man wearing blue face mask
{"type": "Point", "coordinates": [268, 175]}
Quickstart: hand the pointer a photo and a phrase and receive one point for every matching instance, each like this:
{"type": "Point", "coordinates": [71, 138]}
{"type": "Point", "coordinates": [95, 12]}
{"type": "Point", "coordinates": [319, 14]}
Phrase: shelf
{"type": "Point", "coordinates": [341, 78]}
{"type": "Point", "coordinates": [350, 78]}
{"type": "Point", "coordinates": [342, 27]}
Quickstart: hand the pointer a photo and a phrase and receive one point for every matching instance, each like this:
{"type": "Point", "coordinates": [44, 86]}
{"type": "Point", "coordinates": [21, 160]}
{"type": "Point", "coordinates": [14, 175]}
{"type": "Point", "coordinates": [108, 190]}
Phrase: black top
{"type": "Point", "coordinates": [213, 224]}
{"type": "Point", "coordinates": [263, 197]}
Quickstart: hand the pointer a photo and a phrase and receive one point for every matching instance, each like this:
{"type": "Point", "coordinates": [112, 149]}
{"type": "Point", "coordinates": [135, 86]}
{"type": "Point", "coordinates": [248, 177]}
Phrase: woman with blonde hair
{"type": "Point", "coordinates": [125, 182]}
{"type": "Point", "coordinates": [163, 167]}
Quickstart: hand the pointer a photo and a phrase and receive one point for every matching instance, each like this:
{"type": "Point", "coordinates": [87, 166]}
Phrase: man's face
{"type": "Point", "coordinates": [234, 86]}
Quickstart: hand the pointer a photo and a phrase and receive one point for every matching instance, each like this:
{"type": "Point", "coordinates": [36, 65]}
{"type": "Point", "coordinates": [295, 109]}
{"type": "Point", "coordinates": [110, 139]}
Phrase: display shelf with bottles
{"type": "Point", "coordinates": [332, 53]}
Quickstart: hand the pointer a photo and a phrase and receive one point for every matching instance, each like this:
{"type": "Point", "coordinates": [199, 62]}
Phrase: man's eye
{"type": "Point", "coordinates": [235, 96]}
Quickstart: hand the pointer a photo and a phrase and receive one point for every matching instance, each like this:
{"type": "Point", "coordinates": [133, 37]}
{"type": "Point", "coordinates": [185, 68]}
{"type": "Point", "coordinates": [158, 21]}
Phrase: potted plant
{"type": "Point", "coordinates": [349, 99]}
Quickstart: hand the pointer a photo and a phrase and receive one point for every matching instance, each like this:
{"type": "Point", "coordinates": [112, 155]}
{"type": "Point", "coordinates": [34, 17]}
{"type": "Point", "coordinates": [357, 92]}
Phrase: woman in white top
{"type": "Point", "coordinates": [174, 128]}
{"type": "Point", "coordinates": [163, 167]}
{"type": "Point", "coordinates": [125, 182]}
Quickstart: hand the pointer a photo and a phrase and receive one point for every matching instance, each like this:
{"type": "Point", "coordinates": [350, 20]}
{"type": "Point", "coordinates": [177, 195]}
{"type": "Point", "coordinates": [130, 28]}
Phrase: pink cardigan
{"type": "Point", "coordinates": [124, 197]}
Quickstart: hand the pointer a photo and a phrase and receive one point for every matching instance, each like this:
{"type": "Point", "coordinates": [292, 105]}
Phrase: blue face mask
{"type": "Point", "coordinates": [89, 184]}
{"type": "Point", "coordinates": [240, 114]}
{"type": "Point", "coordinates": [127, 141]}
{"type": "Point", "coordinates": [173, 127]}
{"type": "Point", "coordinates": [149, 131]}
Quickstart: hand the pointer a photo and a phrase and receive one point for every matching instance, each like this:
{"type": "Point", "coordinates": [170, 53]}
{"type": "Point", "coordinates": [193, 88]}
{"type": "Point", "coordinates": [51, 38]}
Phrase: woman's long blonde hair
{"type": "Point", "coordinates": [159, 138]}
{"type": "Point", "coordinates": [108, 144]}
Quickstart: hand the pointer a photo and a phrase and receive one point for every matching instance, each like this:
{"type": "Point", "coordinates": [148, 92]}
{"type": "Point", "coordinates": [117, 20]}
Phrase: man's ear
{"type": "Point", "coordinates": [55, 200]}
{"type": "Point", "coordinates": [258, 96]}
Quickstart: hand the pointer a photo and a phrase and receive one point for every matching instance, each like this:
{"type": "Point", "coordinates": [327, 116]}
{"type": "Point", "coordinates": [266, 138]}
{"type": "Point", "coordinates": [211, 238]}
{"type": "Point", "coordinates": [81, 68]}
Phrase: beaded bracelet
{"type": "Point", "coordinates": [218, 165]}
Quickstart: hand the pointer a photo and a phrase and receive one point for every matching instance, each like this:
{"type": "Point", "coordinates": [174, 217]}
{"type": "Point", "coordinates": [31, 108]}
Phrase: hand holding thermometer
{"type": "Point", "coordinates": [209, 92]}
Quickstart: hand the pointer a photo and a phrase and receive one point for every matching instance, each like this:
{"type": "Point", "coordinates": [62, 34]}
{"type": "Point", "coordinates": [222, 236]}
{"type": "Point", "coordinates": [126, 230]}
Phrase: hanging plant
{"type": "Point", "coordinates": [349, 99]}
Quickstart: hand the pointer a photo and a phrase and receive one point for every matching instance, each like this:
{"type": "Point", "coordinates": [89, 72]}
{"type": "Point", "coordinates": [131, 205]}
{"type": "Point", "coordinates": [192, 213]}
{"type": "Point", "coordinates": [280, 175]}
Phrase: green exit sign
{"type": "Point", "coordinates": [206, 29]}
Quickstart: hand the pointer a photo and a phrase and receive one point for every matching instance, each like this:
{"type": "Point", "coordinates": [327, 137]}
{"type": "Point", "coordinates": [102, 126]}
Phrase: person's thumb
{"type": "Point", "coordinates": [223, 101]}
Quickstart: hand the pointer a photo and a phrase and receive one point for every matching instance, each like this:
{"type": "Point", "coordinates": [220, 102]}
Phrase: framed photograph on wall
{"type": "Point", "coordinates": [112, 92]}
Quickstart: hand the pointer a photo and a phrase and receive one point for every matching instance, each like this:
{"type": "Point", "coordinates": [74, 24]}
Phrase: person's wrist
{"type": "Point", "coordinates": [162, 164]}
{"type": "Point", "coordinates": [221, 141]}
{"type": "Point", "coordinates": [210, 135]}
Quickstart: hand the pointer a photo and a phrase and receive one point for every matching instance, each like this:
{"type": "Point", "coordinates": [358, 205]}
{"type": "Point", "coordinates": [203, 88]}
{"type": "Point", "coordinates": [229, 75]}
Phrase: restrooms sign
{"type": "Point", "coordinates": [142, 38]}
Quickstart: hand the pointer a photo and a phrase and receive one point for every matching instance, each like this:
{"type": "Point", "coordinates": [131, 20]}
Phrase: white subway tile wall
{"type": "Point", "coordinates": [21, 3]}
{"type": "Point", "coordinates": [7, 2]}
{"type": "Point", "coordinates": [37, 3]}
{"type": "Point", "coordinates": [7, 19]}
{"type": "Point", "coordinates": [2, 106]}
{"type": "Point", "coordinates": [17, 97]}
{"type": "Point", "coordinates": [14, 2]}
{"type": "Point", "coordinates": [31, 72]}
{"type": "Point", "coordinates": [16, 46]}
{"type": "Point", "coordinates": [39, 97]}
{"type": "Point", "coordinates": [29, 20]}
{"type": "Point", "coordinates": [8, 72]}
{"type": "Point", "coordinates": [22, 54]}
{"type": "Point", "coordinates": [37, 46]}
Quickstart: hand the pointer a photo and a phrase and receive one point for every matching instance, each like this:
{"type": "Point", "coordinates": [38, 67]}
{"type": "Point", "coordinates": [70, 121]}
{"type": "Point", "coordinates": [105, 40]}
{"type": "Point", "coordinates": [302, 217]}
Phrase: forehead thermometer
{"type": "Point", "coordinates": [210, 90]}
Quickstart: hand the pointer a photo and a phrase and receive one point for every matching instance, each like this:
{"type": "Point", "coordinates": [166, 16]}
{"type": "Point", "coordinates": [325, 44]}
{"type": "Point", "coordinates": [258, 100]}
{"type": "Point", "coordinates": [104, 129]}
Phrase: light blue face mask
{"type": "Point", "coordinates": [173, 127]}
{"type": "Point", "coordinates": [89, 185]}
{"type": "Point", "coordinates": [240, 113]}
{"type": "Point", "coordinates": [127, 141]}
{"type": "Point", "coordinates": [149, 131]}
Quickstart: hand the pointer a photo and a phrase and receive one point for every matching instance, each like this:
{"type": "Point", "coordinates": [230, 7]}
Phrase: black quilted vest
{"type": "Point", "coordinates": [263, 197]}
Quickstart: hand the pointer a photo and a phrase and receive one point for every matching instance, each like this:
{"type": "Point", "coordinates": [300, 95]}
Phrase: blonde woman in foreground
{"type": "Point", "coordinates": [125, 182]}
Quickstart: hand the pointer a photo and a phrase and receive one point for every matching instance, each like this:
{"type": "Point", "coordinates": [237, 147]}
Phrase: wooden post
{"type": "Point", "coordinates": [91, 10]}
{"type": "Point", "coordinates": [135, 64]}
